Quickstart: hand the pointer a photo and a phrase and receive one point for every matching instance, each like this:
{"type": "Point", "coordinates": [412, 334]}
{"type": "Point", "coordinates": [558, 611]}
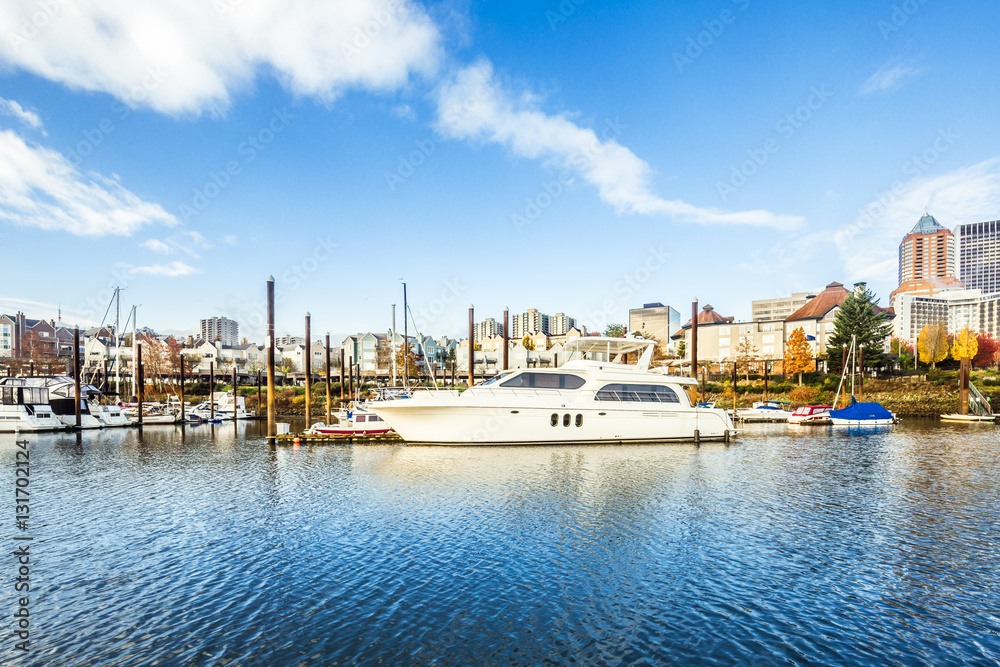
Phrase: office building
{"type": "Point", "coordinates": [979, 256]}
{"type": "Point", "coordinates": [656, 320]}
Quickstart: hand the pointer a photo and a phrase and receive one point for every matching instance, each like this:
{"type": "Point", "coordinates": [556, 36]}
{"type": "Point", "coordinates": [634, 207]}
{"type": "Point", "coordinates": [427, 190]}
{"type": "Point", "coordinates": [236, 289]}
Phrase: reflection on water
{"type": "Point", "coordinates": [205, 545]}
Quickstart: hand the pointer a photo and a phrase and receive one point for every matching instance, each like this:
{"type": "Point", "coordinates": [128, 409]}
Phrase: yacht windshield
{"type": "Point", "coordinates": [639, 393]}
{"type": "Point", "coordinates": [545, 381]}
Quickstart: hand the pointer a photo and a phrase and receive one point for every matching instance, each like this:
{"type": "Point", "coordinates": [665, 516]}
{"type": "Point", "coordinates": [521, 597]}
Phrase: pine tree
{"type": "Point", "coordinates": [857, 317]}
{"type": "Point", "coordinates": [798, 353]}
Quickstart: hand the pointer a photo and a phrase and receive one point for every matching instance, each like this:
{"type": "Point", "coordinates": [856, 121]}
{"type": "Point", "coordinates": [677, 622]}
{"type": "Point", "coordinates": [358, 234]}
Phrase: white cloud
{"type": "Point", "coordinates": [230, 239]}
{"type": "Point", "coordinates": [40, 188]}
{"type": "Point", "coordinates": [887, 77]}
{"type": "Point", "coordinates": [472, 105]}
{"type": "Point", "coordinates": [157, 246]}
{"type": "Point", "coordinates": [171, 270]}
{"type": "Point", "coordinates": [27, 117]}
{"type": "Point", "coordinates": [190, 56]}
{"type": "Point", "coordinates": [869, 247]}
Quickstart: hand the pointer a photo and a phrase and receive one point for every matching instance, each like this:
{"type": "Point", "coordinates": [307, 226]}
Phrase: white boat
{"type": "Point", "coordinates": [765, 411]}
{"type": "Point", "coordinates": [858, 413]}
{"type": "Point", "coordinates": [356, 420]}
{"type": "Point", "coordinates": [25, 409]}
{"type": "Point", "coordinates": [595, 397]}
{"type": "Point", "coordinates": [226, 409]}
{"type": "Point", "coordinates": [109, 415]}
{"type": "Point", "coordinates": [62, 398]}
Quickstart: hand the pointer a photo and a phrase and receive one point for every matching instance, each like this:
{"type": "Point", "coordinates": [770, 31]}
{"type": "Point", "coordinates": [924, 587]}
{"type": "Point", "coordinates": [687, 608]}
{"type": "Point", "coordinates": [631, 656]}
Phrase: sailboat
{"type": "Point", "coordinates": [858, 413]}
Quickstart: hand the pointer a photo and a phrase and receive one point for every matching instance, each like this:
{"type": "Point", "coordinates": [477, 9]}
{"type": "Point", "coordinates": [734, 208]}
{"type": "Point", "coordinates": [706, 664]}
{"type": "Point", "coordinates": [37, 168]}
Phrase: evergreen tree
{"type": "Point", "coordinates": [857, 317]}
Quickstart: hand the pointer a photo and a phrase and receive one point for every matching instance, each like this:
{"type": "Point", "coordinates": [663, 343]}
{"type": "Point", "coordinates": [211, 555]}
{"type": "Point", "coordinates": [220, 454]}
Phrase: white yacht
{"type": "Point", "coordinates": [595, 397]}
{"type": "Point", "coordinates": [26, 409]}
{"type": "Point", "coordinates": [62, 398]}
{"type": "Point", "coordinates": [226, 409]}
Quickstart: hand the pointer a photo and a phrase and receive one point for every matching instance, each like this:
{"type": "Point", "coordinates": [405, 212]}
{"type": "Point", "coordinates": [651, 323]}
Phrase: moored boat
{"type": "Point", "coordinates": [594, 398]}
{"type": "Point", "coordinates": [765, 411]}
{"type": "Point", "coordinates": [25, 409]}
{"type": "Point", "coordinates": [862, 414]}
{"type": "Point", "coordinates": [810, 415]}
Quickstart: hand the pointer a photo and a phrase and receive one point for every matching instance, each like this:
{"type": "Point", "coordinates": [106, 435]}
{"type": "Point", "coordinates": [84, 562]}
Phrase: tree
{"type": "Point", "coordinates": [965, 346]}
{"type": "Point", "coordinates": [798, 353]}
{"type": "Point", "coordinates": [746, 352]}
{"type": "Point", "coordinates": [859, 318]}
{"type": "Point", "coordinates": [615, 331]}
{"type": "Point", "coordinates": [988, 348]}
{"type": "Point", "coordinates": [933, 343]}
{"type": "Point", "coordinates": [903, 351]}
{"type": "Point", "coordinates": [681, 348]}
{"type": "Point", "coordinates": [155, 358]}
{"type": "Point", "coordinates": [528, 343]}
{"type": "Point", "coordinates": [287, 365]}
{"type": "Point", "coordinates": [406, 364]}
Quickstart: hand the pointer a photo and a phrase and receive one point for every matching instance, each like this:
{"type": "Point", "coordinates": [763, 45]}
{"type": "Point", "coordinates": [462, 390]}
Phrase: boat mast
{"type": "Point", "coordinates": [118, 341]}
{"type": "Point", "coordinates": [406, 345]}
{"type": "Point", "coordinates": [135, 358]}
{"type": "Point", "coordinates": [392, 344]}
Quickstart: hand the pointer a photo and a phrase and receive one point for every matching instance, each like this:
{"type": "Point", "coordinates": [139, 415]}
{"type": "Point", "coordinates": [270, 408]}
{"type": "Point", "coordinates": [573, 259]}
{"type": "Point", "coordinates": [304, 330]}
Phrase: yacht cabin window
{"type": "Point", "coordinates": [637, 393]}
{"type": "Point", "coordinates": [545, 381]}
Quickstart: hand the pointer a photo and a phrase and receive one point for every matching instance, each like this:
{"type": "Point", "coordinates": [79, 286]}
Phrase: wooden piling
{"type": "Point", "coordinates": [694, 339]}
{"type": "Point", "coordinates": [329, 407]}
{"type": "Point", "coordinates": [258, 393]}
{"type": "Point", "coordinates": [350, 381]}
{"type": "Point", "coordinates": [472, 346]}
{"type": "Point", "coordinates": [139, 379]}
{"type": "Point", "coordinates": [236, 381]}
{"type": "Point", "coordinates": [506, 338]}
{"type": "Point", "coordinates": [341, 374]}
{"type": "Point", "coordinates": [963, 387]}
{"type": "Point", "coordinates": [183, 417]}
{"type": "Point", "coordinates": [307, 366]}
{"type": "Point", "coordinates": [76, 374]}
{"type": "Point", "coordinates": [211, 389]}
{"type": "Point", "coordinates": [272, 429]}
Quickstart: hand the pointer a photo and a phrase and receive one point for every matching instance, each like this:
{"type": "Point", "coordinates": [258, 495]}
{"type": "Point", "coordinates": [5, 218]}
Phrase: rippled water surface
{"type": "Point", "coordinates": [805, 546]}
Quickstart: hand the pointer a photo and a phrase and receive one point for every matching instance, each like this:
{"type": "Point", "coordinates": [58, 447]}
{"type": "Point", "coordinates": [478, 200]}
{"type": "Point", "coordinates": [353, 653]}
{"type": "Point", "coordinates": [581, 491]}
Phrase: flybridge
{"type": "Point", "coordinates": [612, 350]}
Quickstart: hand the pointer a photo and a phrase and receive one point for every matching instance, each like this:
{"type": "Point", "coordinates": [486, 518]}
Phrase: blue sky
{"type": "Point", "coordinates": [569, 156]}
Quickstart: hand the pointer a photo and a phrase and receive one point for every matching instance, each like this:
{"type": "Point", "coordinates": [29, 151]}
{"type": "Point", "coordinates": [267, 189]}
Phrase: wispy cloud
{"type": "Point", "coordinates": [887, 77]}
{"type": "Point", "coordinates": [157, 246]}
{"type": "Point", "coordinates": [473, 105]}
{"type": "Point", "coordinates": [40, 188]}
{"type": "Point", "coordinates": [868, 247]}
{"type": "Point", "coordinates": [191, 57]}
{"type": "Point", "coordinates": [171, 270]}
{"type": "Point", "coordinates": [26, 116]}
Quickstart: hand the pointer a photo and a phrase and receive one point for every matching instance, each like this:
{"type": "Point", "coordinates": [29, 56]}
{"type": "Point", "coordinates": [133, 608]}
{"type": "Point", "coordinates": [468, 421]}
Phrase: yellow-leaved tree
{"type": "Point", "coordinates": [932, 345]}
{"type": "Point", "coordinates": [965, 346]}
{"type": "Point", "coordinates": [798, 353]}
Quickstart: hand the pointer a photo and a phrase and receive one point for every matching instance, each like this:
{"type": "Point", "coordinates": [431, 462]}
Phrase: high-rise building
{"type": "Point", "coordinates": [488, 328]}
{"type": "Point", "coordinates": [530, 322]}
{"type": "Point", "coordinates": [221, 329]}
{"type": "Point", "coordinates": [927, 259]}
{"type": "Point", "coordinates": [659, 321]}
{"type": "Point", "coordinates": [979, 255]}
{"type": "Point", "coordinates": [560, 324]}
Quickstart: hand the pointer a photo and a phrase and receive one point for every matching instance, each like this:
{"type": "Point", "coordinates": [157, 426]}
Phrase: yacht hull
{"type": "Point", "coordinates": [486, 425]}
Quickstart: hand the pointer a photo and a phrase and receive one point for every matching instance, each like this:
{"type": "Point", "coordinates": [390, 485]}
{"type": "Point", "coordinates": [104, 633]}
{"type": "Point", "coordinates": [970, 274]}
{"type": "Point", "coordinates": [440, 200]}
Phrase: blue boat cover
{"type": "Point", "coordinates": [862, 412]}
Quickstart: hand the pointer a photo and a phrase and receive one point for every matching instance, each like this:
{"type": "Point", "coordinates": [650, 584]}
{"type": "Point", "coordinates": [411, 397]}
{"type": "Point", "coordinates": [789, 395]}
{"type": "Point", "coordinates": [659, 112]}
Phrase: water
{"type": "Point", "coordinates": [791, 545]}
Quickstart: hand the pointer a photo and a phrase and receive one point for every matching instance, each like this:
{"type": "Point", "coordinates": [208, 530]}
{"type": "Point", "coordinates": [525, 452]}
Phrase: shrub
{"type": "Point", "coordinates": [804, 395]}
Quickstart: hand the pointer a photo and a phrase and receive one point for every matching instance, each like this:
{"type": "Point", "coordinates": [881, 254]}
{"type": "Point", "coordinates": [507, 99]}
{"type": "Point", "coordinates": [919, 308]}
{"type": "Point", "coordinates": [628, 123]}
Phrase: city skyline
{"type": "Point", "coordinates": [484, 154]}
